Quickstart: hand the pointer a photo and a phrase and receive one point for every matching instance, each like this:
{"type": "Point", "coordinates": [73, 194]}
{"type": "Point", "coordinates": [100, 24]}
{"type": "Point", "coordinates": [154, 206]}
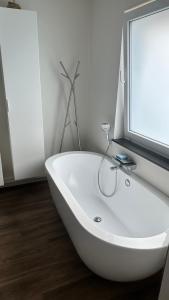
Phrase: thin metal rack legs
{"type": "Point", "coordinates": [72, 93]}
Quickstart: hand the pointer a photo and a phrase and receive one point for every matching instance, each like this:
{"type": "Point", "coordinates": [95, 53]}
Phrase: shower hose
{"type": "Point", "coordinates": [99, 172]}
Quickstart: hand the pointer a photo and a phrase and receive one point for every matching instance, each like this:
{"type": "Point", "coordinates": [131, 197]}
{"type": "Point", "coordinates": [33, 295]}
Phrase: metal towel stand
{"type": "Point", "coordinates": [72, 92]}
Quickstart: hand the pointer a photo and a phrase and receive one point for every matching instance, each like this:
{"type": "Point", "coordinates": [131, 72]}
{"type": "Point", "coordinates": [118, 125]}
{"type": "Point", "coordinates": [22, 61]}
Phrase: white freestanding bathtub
{"type": "Point", "coordinates": [130, 243]}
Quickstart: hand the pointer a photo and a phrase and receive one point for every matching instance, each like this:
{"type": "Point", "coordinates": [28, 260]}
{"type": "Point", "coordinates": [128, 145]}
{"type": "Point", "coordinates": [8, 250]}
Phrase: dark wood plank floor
{"type": "Point", "coordinates": [38, 260]}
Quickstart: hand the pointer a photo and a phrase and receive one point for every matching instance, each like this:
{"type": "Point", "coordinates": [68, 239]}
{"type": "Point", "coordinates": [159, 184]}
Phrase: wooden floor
{"type": "Point", "coordinates": [38, 260]}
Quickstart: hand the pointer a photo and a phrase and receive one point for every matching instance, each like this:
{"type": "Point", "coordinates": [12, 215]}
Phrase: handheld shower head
{"type": "Point", "coordinates": [106, 127]}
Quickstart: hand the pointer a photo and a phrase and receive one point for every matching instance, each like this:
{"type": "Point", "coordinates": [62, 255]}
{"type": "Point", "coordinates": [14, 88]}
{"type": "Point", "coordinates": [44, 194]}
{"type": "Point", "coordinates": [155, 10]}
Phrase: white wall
{"type": "Point", "coordinates": [106, 41]}
{"type": "Point", "coordinates": [64, 34]}
{"type": "Point", "coordinates": [107, 23]}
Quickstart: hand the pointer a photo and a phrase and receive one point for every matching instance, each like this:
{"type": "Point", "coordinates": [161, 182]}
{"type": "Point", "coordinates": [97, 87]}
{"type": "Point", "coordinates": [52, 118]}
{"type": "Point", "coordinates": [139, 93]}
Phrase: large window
{"type": "Point", "coordinates": [147, 85]}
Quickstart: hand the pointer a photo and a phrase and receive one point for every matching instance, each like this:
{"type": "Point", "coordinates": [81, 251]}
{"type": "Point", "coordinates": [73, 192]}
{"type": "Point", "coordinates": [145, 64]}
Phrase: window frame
{"type": "Point", "coordinates": [140, 12]}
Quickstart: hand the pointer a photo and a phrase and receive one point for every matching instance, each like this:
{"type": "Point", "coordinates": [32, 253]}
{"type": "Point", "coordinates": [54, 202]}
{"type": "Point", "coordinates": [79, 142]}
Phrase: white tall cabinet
{"type": "Point", "coordinates": [21, 71]}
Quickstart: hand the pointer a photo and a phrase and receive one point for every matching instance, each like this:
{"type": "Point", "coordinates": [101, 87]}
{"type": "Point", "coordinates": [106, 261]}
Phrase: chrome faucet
{"type": "Point", "coordinates": [115, 167]}
{"type": "Point", "coordinates": [127, 164]}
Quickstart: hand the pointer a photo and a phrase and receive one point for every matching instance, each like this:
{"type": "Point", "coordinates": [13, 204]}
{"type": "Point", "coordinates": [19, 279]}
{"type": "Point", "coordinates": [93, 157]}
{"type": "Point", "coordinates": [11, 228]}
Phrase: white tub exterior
{"type": "Point", "coordinates": [131, 241]}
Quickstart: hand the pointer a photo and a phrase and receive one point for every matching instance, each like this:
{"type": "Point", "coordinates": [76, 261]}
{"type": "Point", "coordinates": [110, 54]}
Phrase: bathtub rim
{"type": "Point", "coordinates": [158, 241]}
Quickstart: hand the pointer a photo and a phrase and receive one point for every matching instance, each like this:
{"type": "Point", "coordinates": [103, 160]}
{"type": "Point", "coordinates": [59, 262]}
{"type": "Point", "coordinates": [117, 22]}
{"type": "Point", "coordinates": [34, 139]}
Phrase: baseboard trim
{"type": "Point", "coordinates": [12, 183]}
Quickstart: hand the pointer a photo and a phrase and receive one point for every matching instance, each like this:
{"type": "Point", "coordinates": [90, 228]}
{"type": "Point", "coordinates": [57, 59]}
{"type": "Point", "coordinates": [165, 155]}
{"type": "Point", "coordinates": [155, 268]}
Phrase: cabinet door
{"type": "Point", "coordinates": [21, 70]}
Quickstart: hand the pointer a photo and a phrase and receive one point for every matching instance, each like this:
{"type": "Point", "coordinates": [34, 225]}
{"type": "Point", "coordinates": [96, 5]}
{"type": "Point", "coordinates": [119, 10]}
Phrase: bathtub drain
{"type": "Point", "coordinates": [97, 219]}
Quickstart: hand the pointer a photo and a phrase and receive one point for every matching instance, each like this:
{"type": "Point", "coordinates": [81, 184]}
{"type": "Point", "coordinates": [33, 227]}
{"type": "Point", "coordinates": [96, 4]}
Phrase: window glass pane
{"type": "Point", "coordinates": [149, 76]}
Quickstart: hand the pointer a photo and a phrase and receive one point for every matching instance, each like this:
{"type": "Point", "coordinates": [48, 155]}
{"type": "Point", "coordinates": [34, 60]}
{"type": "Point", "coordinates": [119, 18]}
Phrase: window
{"type": "Point", "coordinates": [147, 86]}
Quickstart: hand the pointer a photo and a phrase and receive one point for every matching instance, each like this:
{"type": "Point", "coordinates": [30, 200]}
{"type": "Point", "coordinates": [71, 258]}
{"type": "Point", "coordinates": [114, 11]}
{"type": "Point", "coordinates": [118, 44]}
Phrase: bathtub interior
{"type": "Point", "coordinates": [135, 211]}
